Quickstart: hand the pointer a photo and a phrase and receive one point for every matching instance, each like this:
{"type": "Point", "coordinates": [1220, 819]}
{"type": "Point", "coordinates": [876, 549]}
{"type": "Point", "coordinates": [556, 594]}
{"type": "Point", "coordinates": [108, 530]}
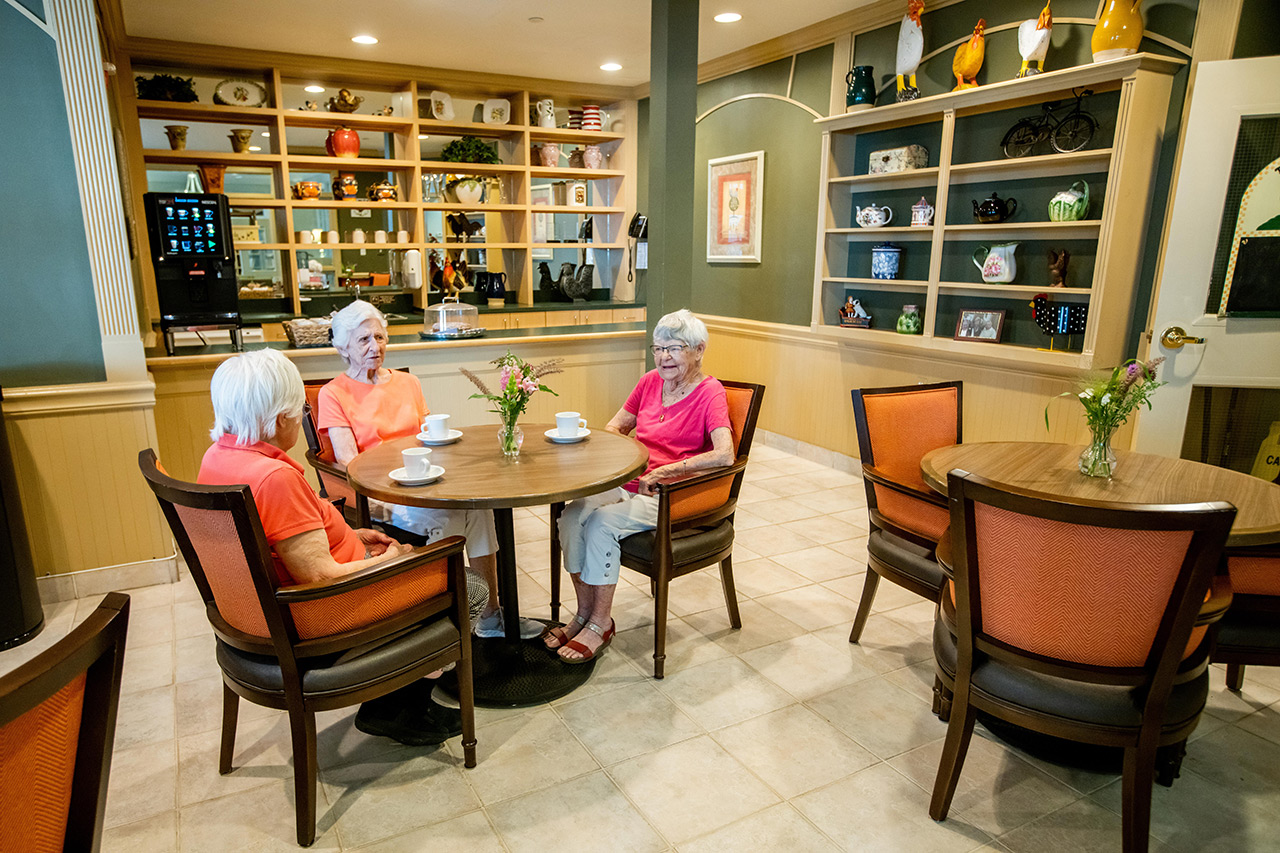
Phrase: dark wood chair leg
{"type": "Point", "coordinates": [660, 588]}
{"type": "Point", "coordinates": [1135, 812]}
{"type": "Point", "coordinates": [864, 604]}
{"type": "Point", "coordinates": [941, 700]}
{"type": "Point", "coordinates": [467, 701]}
{"type": "Point", "coordinates": [1235, 676]}
{"type": "Point", "coordinates": [556, 509]}
{"type": "Point", "coordinates": [1169, 762]}
{"type": "Point", "coordinates": [959, 732]}
{"type": "Point", "coordinates": [730, 594]}
{"type": "Point", "coordinates": [302, 727]}
{"type": "Point", "coordinates": [230, 712]}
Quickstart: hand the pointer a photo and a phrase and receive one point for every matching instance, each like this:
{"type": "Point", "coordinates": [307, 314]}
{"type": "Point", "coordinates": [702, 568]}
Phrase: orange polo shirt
{"type": "Point", "coordinates": [286, 504]}
{"type": "Point", "coordinates": [374, 413]}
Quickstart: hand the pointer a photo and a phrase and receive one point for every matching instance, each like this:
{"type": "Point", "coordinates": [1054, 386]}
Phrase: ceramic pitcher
{"type": "Point", "coordinates": [997, 263]}
{"type": "Point", "coordinates": [546, 112]}
{"type": "Point", "coordinates": [1119, 30]}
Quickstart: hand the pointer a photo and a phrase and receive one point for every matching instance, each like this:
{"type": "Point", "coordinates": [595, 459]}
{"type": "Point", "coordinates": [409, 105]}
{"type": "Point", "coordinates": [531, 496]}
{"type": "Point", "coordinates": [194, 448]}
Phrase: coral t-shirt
{"type": "Point", "coordinates": [678, 431]}
{"type": "Point", "coordinates": [286, 504]}
{"type": "Point", "coordinates": [391, 409]}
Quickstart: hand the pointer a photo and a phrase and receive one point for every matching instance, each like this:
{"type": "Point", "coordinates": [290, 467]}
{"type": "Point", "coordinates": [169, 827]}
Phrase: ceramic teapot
{"type": "Point", "coordinates": [306, 189]}
{"type": "Point", "coordinates": [382, 191]}
{"type": "Point", "coordinates": [1070, 204]}
{"type": "Point", "coordinates": [994, 209]}
{"type": "Point", "coordinates": [873, 217]}
{"type": "Point", "coordinates": [997, 263]}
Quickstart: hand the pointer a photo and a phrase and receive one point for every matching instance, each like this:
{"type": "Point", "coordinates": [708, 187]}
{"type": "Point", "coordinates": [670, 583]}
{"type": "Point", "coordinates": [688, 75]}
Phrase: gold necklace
{"type": "Point", "coordinates": [683, 392]}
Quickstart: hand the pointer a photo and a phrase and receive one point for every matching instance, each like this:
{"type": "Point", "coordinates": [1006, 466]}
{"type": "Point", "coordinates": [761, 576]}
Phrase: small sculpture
{"type": "Point", "coordinates": [386, 111]}
{"type": "Point", "coordinates": [1033, 42]}
{"type": "Point", "coordinates": [579, 286]}
{"type": "Point", "coordinates": [910, 50]}
{"type": "Point", "coordinates": [1058, 267]}
{"type": "Point", "coordinates": [853, 314]}
{"type": "Point", "coordinates": [555, 287]}
{"type": "Point", "coordinates": [345, 102]}
{"type": "Point", "coordinates": [1058, 319]}
{"type": "Point", "coordinates": [968, 59]}
{"type": "Point", "coordinates": [310, 105]}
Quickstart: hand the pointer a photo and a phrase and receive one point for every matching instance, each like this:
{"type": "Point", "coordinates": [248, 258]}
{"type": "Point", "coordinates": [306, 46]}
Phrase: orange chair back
{"type": "Point", "coordinates": [323, 446]}
{"type": "Point", "coordinates": [744, 400]}
{"type": "Point", "coordinates": [1254, 575]}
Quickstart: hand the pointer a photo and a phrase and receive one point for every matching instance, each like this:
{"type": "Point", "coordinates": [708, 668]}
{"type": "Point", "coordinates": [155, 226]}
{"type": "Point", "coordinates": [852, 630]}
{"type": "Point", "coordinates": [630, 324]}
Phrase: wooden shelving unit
{"type": "Point", "coordinates": [938, 273]}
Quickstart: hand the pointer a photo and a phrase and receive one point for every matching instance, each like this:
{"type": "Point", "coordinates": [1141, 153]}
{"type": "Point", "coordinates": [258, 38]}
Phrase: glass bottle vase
{"type": "Point", "coordinates": [1098, 459]}
{"type": "Point", "coordinates": [510, 438]}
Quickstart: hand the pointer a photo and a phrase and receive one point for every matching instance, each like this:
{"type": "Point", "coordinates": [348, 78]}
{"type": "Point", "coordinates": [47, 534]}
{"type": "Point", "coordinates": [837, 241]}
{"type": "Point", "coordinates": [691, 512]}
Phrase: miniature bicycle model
{"type": "Point", "coordinates": [1069, 133]}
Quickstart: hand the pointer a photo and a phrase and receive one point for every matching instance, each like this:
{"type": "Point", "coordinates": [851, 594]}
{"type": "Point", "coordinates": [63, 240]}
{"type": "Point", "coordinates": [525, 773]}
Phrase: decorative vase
{"type": "Point", "coordinates": [240, 138]}
{"type": "Point", "coordinates": [1098, 459]}
{"type": "Point", "coordinates": [211, 176]}
{"type": "Point", "coordinates": [177, 134]}
{"type": "Point", "coordinates": [510, 437]}
{"type": "Point", "coordinates": [861, 92]}
{"type": "Point", "coordinates": [1119, 30]}
{"type": "Point", "coordinates": [468, 191]}
{"type": "Point", "coordinates": [909, 323]}
{"type": "Point", "coordinates": [885, 260]}
{"type": "Point", "coordinates": [345, 186]}
{"type": "Point", "coordinates": [592, 157]}
{"type": "Point", "coordinates": [575, 159]}
{"type": "Point", "coordinates": [549, 154]}
{"type": "Point", "coordinates": [343, 142]}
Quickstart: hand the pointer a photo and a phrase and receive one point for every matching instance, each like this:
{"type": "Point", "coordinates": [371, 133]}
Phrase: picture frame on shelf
{"type": "Point", "coordinates": [543, 223]}
{"type": "Point", "coordinates": [982, 325]}
{"type": "Point", "coordinates": [735, 194]}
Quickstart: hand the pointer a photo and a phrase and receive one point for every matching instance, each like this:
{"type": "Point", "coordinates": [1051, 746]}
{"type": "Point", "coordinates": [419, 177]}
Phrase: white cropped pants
{"type": "Point", "coordinates": [591, 527]}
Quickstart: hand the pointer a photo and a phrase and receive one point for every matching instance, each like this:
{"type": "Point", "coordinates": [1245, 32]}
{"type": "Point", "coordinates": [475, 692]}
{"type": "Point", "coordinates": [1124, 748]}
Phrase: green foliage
{"type": "Point", "coordinates": [1109, 399]}
{"type": "Point", "coordinates": [469, 149]}
{"type": "Point", "coordinates": [166, 87]}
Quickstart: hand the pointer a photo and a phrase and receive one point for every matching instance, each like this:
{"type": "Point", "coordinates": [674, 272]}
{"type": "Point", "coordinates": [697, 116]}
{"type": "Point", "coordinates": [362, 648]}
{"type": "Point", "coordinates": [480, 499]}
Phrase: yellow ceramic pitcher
{"type": "Point", "coordinates": [1118, 31]}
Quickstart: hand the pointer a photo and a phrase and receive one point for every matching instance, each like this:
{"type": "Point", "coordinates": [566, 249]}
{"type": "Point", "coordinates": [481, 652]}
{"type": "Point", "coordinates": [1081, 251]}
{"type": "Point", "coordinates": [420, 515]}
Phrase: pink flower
{"type": "Point", "coordinates": [529, 386]}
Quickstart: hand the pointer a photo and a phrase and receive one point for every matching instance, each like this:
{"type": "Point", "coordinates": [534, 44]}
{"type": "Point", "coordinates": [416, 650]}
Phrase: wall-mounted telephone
{"type": "Point", "coordinates": [639, 227]}
{"type": "Point", "coordinates": [639, 255]}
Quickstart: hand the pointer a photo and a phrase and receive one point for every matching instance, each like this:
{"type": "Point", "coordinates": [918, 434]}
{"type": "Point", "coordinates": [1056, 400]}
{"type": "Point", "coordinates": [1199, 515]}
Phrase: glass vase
{"type": "Point", "coordinates": [510, 437]}
{"type": "Point", "coordinates": [1098, 459]}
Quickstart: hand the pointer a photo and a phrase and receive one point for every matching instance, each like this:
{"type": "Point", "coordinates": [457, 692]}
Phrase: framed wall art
{"type": "Point", "coordinates": [735, 192]}
{"type": "Point", "coordinates": [543, 223]}
{"type": "Point", "coordinates": [979, 326]}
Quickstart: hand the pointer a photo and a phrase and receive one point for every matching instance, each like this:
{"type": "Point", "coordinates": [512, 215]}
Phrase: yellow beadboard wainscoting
{"type": "Point", "coordinates": [599, 372]}
{"type": "Point", "coordinates": [808, 380]}
{"type": "Point", "coordinates": [94, 524]}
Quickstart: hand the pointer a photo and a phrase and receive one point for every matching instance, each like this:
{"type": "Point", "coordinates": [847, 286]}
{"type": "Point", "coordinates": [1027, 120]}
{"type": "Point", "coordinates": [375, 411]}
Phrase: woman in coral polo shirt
{"type": "Point", "coordinates": [682, 416]}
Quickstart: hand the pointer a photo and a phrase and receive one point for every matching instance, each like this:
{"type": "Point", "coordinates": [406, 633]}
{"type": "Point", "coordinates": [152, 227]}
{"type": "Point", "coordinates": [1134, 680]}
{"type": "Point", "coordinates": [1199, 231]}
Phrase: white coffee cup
{"type": "Point", "coordinates": [569, 424]}
{"type": "Point", "coordinates": [402, 236]}
{"type": "Point", "coordinates": [332, 237]}
{"type": "Point", "coordinates": [417, 461]}
{"type": "Point", "coordinates": [357, 235]}
{"type": "Point", "coordinates": [379, 236]}
{"type": "Point", "coordinates": [306, 237]}
{"type": "Point", "coordinates": [437, 426]}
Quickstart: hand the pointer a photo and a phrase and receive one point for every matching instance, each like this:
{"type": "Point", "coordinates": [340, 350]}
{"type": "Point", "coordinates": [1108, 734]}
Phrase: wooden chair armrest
{"type": "Point", "coordinates": [371, 575]}
{"type": "Point", "coordinates": [676, 484]}
{"type": "Point", "coordinates": [870, 472]}
{"type": "Point", "coordinates": [314, 460]}
{"type": "Point", "coordinates": [1215, 606]}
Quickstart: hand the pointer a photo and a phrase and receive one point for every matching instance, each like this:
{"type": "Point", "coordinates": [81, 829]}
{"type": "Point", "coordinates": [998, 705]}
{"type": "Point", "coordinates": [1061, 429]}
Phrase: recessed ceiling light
{"type": "Point", "coordinates": [611, 66]}
{"type": "Point", "coordinates": [727, 18]}
{"type": "Point", "coordinates": [266, 133]}
{"type": "Point", "coordinates": [315, 90]}
{"type": "Point", "coordinates": [255, 148]}
{"type": "Point", "coordinates": [422, 136]}
{"type": "Point", "coordinates": [364, 39]}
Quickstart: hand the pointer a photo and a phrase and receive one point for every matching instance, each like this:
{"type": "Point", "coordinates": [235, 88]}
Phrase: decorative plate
{"type": "Point", "coordinates": [238, 92]}
{"type": "Point", "coordinates": [441, 106]}
{"type": "Point", "coordinates": [497, 111]}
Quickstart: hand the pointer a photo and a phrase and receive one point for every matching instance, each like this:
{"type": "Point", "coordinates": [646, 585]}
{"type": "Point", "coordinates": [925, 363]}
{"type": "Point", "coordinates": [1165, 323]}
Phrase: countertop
{"type": "Point", "coordinates": [251, 318]}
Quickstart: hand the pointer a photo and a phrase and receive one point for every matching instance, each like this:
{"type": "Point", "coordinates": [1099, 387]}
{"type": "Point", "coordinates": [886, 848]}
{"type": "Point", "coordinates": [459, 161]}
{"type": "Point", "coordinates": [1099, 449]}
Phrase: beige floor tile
{"type": "Point", "coordinates": [530, 528]}
{"type": "Point", "coordinates": [761, 452]}
{"type": "Point", "coordinates": [588, 814]}
{"type": "Point", "coordinates": [470, 833]}
{"type": "Point", "coordinates": [197, 658]}
{"type": "Point", "coordinates": [835, 501]}
{"type": "Point", "coordinates": [782, 509]}
{"type": "Point", "coordinates": [884, 645]}
{"type": "Point", "coordinates": [793, 750]}
{"type": "Point", "coordinates": [1081, 779]}
{"type": "Point", "coordinates": [263, 755]}
{"type": "Point", "coordinates": [792, 485]}
{"type": "Point", "coordinates": [147, 667]}
{"type": "Point", "coordinates": [811, 607]}
{"type": "Point", "coordinates": [857, 517]}
{"type": "Point", "coordinates": [889, 596]}
{"type": "Point", "coordinates": [143, 783]}
{"type": "Point", "coordinates": [611, 672]}
{"type": "Point", "coordinates": [627, 722]}
{"type": "Point", "coordinates": [880, 716]}
{"type": "Point", "coordinates": [877, 809]}
{"type": "Point", "coordinates": [339, 743]}
{"type": "Point", "coordinates": [142, 597]}
{"type": "Point", "coordinates": [1231, 706]}
{"type": "Point", "coordinates": [1264, 723]}
{"type": "Point", "coordinates": [158, 834]}
{"type": "Point", "coordinates": [1234, 758]}
{"type": "Point", "coordinates": [754, 578]}
{"type": "Point", "coordinates": [145, 717]}
{"type": "Point", "coordinates": [528, 753]}
{"type": "Point", "coordinates": [1081, 827]}
{"type": "Point", "coordinates": [824, 529]}
{"type": "Point", "coordinates": [697, 592]}
{"type": "Point", "coordinates": [760, 627]}
{"type": "Point", "coordinates": [723, 692]}
{"type": "Point", "coordinates": [199, 707]}
{"type": "Point", "coordinates": [149, 626]}
{"type": "Point", "coordinates": [691, 788]}
{"type": "Point", "coordinates": [778, 828]}
{"type": "Point", "coordinates": [190, 620]}
{"type": "Point", "coordinates": [82, 607]}
{"type": "Point", "coordinates": [997, 791]}
{"type": "Point", "coordinates": [806, 667]}
{"type": "Point", "coordinates": [745, 519]}
{"type": "Point", "coordinates": [257, 821]}
{"type": "Point", "coordinates": [820, 563]}
{"type": "Point", "coordinates": [402, 791]}
{"type": "Point", "coordinates": [686, 647]}
{"type": "Point", "coordinates": [752, 493]}
{"type": "Point", "coordinates": [916, 679]}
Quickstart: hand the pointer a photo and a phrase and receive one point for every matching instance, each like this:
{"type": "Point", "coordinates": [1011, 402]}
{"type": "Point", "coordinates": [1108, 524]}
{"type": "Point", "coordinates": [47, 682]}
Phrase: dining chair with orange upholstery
{"type": "Point", "coordinates": [896, 427]}
{"type": "Point", "coordinates": [1083, 621]}
{"type": "Point", "coordinates": [320, 456]}
{"type": "Point", "coordinates": [57, 727]}
{"type": "Point", "coordinates": [316, 646]}
{"type": "Point", "coordinates": [1249, 633]}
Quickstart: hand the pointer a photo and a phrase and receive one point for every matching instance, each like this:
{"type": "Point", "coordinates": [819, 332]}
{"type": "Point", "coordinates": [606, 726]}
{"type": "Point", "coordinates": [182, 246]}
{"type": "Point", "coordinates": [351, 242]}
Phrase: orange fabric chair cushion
{"type": "Point", "coordinates": [369, 604]}
{"type": "Point", "coordinates": [217, 543]}
{"type": "Point", "coordinates": [701, 498]}
{"type": "Point", "coordinates": [905, 426]}
{"type": "Point", "coordinates": [739, 402]}
{"type": "Point", "coordinates": [37, 765]}
{"type": "Point", "coordinates": [326, 446]}
{"type": "Point", "coordinates": [912, 513]}
{"type": "Point", "coordinates": [1254, 575]}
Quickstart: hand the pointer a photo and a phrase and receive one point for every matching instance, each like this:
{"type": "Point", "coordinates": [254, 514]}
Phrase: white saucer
{"type": "Point", "coordinates": [454, 435]}
{"type": "Point", "coordinates": [433, 474]}
{"type": "Point", "coordinates": [554, 435]}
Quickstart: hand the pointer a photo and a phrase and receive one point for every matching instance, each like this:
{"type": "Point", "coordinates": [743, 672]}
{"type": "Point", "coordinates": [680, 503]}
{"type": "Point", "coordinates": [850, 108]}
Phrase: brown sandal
{"type": "Point", "coordinates": [557, 633]}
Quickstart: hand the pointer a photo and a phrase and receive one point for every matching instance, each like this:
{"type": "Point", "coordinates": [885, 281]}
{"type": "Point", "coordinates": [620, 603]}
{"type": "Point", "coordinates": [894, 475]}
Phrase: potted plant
{"type": "Point", "coordinates": [469, 149]}
{"type": "Point", "coordinates": [166, 87]}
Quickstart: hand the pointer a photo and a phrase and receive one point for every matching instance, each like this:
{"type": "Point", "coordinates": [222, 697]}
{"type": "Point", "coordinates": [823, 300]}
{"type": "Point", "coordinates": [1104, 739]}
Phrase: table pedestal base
{"type": "Point", "coordinates": [515, 675]}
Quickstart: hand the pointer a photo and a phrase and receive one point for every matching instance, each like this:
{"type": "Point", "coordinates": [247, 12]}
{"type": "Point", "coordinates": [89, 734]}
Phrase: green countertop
{"type": "Point", "coordinates": [251, 318]}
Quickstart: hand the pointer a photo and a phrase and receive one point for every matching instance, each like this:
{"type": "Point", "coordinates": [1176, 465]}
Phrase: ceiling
{"type": "Point", "coordinates": [573, 39]}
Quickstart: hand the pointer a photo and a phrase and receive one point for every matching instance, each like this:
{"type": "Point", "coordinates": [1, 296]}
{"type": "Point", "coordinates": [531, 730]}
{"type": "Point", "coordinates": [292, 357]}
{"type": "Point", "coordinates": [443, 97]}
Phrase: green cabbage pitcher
{"type": "Point", "coordinates": [1070, 204]}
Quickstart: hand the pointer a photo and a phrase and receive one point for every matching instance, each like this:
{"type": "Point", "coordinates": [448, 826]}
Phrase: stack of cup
{"type": "Point", "coordinates": [591, 117]}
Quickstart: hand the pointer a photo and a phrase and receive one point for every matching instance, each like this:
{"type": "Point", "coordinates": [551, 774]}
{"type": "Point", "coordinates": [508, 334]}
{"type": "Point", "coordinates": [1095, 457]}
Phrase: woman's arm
{"type": "Point", "coordinates": [307, 557]}
{"type": "Point", "coordinates": [623, 422]}
{"type": "Point", "coordinates": [719, 456]}
{"type": "Point", "coordinates": [344, 444]}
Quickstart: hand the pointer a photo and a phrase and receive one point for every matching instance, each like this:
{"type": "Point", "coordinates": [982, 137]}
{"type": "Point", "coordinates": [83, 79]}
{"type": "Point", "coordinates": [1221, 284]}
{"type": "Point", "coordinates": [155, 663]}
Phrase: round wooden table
{"type": "Point", "coordinates": [1139, 478]}
{"type": "Point", "coordinates": [508, 672]}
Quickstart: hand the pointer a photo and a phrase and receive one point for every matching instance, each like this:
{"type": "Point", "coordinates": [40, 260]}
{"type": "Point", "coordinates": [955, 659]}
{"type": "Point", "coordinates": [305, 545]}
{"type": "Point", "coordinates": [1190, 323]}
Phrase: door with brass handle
{"type": "Point", "coordinates": [1175, 337]}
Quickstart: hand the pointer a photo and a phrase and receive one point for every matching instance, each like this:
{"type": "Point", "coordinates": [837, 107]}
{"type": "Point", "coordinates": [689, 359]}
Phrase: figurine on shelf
{"type": "Point", "coordinates": [311, 106]}
{"type": "Point", "coordinates": [1033, 42]}
{"type": "Point", "coordinates": [910, 51]}
{"type": "Point", "coordinates": [345, 102]}
{"type": "Point", "coordinates": [853, 315]}
{"type": "Point", "coordinates": [968, 59]}
{"type": "Point", "coordinates": [385, 111]}
{"type": "Point", "coordinates": [1058, 319]}
{"type": "Point", "coordinates": [1058, 267]}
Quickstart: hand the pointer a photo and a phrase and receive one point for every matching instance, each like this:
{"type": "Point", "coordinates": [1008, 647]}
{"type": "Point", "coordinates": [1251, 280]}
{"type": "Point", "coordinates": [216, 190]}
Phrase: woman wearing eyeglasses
{"type": "Point", "coordinates": [681, 415]}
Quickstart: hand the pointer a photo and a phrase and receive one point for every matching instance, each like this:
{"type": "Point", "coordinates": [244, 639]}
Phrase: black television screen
{"type": "Point", "coordinates": [190, 225]}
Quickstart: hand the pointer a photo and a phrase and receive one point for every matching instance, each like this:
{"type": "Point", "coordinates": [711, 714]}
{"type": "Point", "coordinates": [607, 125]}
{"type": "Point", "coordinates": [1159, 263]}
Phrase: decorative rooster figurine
{"type": "Point", "coordinates": [968, 61]}
{"type": "Point", "coordinates": [910, 49]}
{"type": "Point", "coordinates": [1033, 42]}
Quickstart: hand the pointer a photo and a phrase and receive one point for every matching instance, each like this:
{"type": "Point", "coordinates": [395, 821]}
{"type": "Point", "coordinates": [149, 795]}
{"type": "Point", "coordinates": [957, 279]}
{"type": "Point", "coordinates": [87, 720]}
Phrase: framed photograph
{"type": "Point", "coordinates": [543, 223]}
{"type": "Point", "coordinates": [979, 326]}
{"type": "Point", "coordinates": [735, 191]}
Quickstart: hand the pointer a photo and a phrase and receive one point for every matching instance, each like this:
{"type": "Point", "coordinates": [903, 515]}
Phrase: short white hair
{"type": "Point", "coordinates": [681, 326]}
{"type": "Point", "coordinates": [250, 391]}
{"type": "Point", "coordinates": [346, 321]}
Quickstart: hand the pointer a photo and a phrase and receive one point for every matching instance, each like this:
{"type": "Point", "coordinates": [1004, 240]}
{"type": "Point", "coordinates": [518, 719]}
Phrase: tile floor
{"type": "Point", "coordinates": [780, 736]}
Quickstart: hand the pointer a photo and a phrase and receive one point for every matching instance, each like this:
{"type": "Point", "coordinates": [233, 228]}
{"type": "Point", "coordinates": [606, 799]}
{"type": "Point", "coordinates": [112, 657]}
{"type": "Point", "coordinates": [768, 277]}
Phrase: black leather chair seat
{"type": "Point", "coordinates": [1103, 704]}
{"type": "Point", "coordinates": [328, 673]}
{"type": "Point", "coordinates": [686, 546]}
{"type": "Point", "coordinates": [905, 557]}
{"type": "Point", "coordinates": [1241, 629]}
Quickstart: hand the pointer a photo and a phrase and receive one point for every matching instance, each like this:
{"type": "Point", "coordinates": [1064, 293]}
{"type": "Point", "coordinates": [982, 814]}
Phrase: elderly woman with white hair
{"type": "Point", "coordinates": [369, 404]}
{"type": "Point", "coordinates": [682, 416]}
{"type": "Point", "coordinates": [258, 404]}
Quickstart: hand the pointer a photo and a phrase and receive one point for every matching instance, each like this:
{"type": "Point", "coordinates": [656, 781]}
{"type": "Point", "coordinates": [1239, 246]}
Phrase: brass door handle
{"type": "Point", "coordinates": [1175, 337]}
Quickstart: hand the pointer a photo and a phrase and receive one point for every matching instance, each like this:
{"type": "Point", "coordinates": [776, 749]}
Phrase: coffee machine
{"type": "Point", "coordinates": [193, 257]}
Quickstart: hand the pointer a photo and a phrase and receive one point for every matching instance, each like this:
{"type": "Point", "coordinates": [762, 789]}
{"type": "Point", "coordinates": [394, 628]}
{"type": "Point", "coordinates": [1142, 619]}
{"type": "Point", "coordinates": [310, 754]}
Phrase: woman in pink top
{"type": "Point", "coordinates": [682, 417]}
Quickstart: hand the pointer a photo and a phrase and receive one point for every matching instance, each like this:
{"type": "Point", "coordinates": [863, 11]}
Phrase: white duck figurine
{"type": "Point", "coordinates": [910, 49]}
{"type": "Point", "coordinates": [1033, 41]}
